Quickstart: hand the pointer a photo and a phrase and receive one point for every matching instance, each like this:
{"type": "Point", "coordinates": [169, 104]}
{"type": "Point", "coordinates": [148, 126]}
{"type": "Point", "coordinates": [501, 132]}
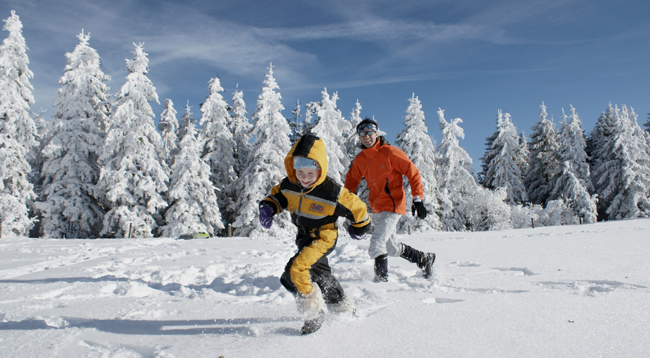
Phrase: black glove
{"type": "Point", "coordinates": [419, 207]}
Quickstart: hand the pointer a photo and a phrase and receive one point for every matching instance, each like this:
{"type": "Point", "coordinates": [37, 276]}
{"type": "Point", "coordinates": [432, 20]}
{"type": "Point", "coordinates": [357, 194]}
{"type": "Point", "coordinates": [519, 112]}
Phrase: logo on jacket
{"type": "Point", "coordinates": [317, 208]}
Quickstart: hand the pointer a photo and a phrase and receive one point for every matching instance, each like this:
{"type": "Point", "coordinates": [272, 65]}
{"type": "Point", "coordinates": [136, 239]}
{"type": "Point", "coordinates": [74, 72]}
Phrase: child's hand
{"type": "Point", "coordinates": [266, 216]}
{"type": "Point", "coordinates": [355, 236]}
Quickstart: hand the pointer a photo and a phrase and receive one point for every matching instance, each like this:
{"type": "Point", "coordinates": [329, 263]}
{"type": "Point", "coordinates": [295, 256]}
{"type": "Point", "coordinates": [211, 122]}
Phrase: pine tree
{"type": "Point", "coordinates": [133, 178]}
{"type": "Point", "coordinates": [621, 176]}
{"type": "Point", "coordinates": [418, 146]}
{"type": "Point", "coordinates": [192, 196]}
{"type": "Point", "coordinates": [573, 184]}
{"type": "Point", "coordinates": [240, 128]}
{"type": "Point", "coordinates": [522, 155]}
{"type": "Point", "coordinates": [168, 125]}
{"type": "Point", "coordinates": [353, 147]}
{"type": "Point", "coordinates": [454, 175]}
{"type": "Point", "coordinates": [503, 168]}
{"type": "Point", "coordinates": [465, 205]}
{"type": "Point", "coordinates": [218, 143]}
{"type": "Point", "coordinates": [543, 162]}
{"type": "Point", "coordinates": [572, 146]}
{"type": "Point", "coordinates": [70, 170]}
{"type": "Point", "coordinates": [332, 128]}
{"type": "Point", "coordinates": [17, 130]}
{"type": "Point", "coordinates": [270, 145]}
{"type": "Point", "coordinates": [183, 123]}
{"type": "Point", "coordinates": [296, 124]}
{"type": "Point", "coordinates": [352, 139]}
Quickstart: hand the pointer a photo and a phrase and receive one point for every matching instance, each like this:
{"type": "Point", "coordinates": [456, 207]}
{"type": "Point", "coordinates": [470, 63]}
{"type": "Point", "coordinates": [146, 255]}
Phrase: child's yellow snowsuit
{"type": "Point", "coordinates": [314, 211]}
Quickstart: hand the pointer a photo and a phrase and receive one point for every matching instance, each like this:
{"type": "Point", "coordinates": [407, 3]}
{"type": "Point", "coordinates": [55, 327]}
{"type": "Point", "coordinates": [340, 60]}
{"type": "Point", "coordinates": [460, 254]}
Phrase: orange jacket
{"type": "Point", "coordinates": [383, 166]}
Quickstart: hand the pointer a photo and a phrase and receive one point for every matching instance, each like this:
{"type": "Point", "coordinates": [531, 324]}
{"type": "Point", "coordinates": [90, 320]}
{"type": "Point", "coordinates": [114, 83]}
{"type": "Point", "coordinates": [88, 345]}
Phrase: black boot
{"type": "Point", "coordinates": [381, 268]}
{"type": "Point", "coordinates": [423, 260]}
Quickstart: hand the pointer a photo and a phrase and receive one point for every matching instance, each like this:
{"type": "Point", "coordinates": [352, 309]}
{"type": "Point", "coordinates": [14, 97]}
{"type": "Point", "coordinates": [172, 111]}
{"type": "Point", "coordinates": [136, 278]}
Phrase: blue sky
{"type": "Point", "coordinates": [470, 58]}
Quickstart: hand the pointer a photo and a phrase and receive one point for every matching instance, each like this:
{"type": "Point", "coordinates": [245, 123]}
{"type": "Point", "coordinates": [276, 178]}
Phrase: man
{"type": "Point", "coordinates": [383, 166]}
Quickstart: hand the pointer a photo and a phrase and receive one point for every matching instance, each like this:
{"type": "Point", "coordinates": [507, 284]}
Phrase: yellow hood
{"type": "Point", "coordinates": [311, 147]}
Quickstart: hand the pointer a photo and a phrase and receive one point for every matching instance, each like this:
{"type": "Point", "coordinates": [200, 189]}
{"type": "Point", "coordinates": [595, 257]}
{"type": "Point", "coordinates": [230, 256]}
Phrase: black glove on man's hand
{"type": "Point", "coordinates": [419, 207]}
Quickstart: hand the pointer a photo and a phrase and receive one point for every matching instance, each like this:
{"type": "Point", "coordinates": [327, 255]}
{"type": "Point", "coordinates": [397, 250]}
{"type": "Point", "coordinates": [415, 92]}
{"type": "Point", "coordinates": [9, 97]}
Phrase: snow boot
{"type": "Point", "coordinates": [427, 264]}
{"type": "Point", "coordinates": [344, 306]}
{"type": "Point", "coordinates": [314, 324]}
{"type": "Point", "coordinates": [423, 260]}
{"type": "Point", "coordinates": [381, 268]}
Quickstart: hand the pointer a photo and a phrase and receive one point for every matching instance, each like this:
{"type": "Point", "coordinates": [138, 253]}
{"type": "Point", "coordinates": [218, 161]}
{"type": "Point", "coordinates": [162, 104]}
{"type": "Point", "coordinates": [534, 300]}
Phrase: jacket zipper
{"type": "Point", "coordinates": [387, 191]}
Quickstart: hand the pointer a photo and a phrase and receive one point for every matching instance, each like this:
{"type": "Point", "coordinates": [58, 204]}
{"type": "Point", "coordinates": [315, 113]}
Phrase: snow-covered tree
{"type": "Point", "coordinates": [270, 136]}
{"type": "Point", "coordinates": [501, 163]}
{"type": "Point", "coordinates": [621, 175]}
{"type": "Point", "coordinates": [17, 130]}
{"type": "Point", "coordinates": [70, 170]}
{"type": "Point", "coordinates": [184, 122]}
{"type": "Point", "coordinates": [418, 146]}
{"type": "Point", "coordinates": [352, 141]}
{"type": "Point", "coordinates": [353, 147]}
{"type": "Point", "coordinates": [240, 128]}
{"type": "Point", "coordinates": [332, 129]}
{"type": "Point", "coordinates": [522, 155]}
{"type": "Point", "coordinates": [576, 197]}
{"type": "Point", "coordinates": [133, 178]}
{"type": "Point", "coordinates": [573, 183]}
{"type": "Point", "coordinates": [296, 125]}
{"type": "Point", "coordinates": [465, 205]}
{"type": "Point", "coordinates": [168, 125]}
{"type": "Point", "coordinates": [193, 203]}
{"type": "Point", "coordinates": [572, 146]}
{"type": "Point", "coordinates": [218, 143]}
{"type": "Point", "coordinates": [543, 162]}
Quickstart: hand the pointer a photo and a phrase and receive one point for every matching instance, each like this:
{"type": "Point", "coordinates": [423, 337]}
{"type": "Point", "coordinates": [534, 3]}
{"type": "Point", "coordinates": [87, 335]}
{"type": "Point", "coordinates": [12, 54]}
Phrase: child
{"type": "Point", "coordinates": [315, 202]}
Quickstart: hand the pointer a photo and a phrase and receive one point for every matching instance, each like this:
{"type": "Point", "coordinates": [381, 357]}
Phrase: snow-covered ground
{"type": "Point", "coordinates": [571, 291]}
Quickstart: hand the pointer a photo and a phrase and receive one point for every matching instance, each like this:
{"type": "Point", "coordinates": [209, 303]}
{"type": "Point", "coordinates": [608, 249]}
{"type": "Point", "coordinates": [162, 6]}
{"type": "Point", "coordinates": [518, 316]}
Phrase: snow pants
{"type": "Point", "coordinates": [311, 260]}
{"type": "Point", "coordinates": [383, 240]}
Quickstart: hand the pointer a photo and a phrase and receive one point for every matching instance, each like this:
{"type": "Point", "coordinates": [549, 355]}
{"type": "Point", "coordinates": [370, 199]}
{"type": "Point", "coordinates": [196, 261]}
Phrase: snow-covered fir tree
{"type": "Point", "coordinates": [352, 141]}
{"type": "Point", "coordinates": [465, 205]}
{"type": "Point", "coordinates": [168, 125]}
{"type": "Point", "coordinates": [70, 170]}
{"type": "Point", "coordinates": [17, 130]}
{"type": "Point", "coordinates": [621, 175]}
{"type": "Point", "coordinates": [502, 161]}
{"type": "Point", "coordinates": [418, 146]}
{"type": "Point", "coordinates": [296, 124]}
{"type": "Point", "coordinates": [133, 178]}
{"type": "Point", "coordinates": [240, 128]}
{"type": "Point", "coordinates": [218, 143]}
{"type": "Point", "coordinates": [193, 202]}
{"type": "Point", "coordinates": [543, 162]}
{"type": "Point", "coordinates": [573, 184]}
{"type": "Point", "coordinates": [522, 155]}
{"type": "Point", "coordinates": [270, 136]}
{"type": "Point", "coordinates": [332, 129]}
{"type": "Point", "coordinates": [184, 122]}
{"type": "Point", "coordinates": [353, 147]}
{"type": "Point", "coordinates": [572, 148]}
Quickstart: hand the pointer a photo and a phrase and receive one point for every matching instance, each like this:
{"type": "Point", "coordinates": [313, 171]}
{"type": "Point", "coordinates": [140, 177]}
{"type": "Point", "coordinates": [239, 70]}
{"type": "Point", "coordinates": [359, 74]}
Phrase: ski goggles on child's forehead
{"type": "Point", "coordinates": [368, 127]}
{"type": "Point", "coordinates": [305, 163]}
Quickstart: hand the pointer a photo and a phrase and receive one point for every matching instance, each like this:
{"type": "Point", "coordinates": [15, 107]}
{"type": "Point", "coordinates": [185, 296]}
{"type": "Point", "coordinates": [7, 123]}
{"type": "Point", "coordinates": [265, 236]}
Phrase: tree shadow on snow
{"type": "Point", "coordinates": [237, 326]}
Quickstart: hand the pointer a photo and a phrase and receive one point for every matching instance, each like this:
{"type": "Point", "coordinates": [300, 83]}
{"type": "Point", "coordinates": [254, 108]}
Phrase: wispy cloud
{"type": "Point", "coordinates": [387, 30]}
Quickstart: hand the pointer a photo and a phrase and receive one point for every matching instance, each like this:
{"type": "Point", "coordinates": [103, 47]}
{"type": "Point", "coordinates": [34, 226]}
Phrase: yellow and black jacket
{"type": "Point", "coordinates": [314, 210]}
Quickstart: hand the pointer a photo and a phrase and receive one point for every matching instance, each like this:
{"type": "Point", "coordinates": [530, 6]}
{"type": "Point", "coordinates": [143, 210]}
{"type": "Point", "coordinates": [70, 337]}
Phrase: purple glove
{"type": "Point", "coordinates": [266, 216]}
{"type": "Point", "coordinates": [355, 236]}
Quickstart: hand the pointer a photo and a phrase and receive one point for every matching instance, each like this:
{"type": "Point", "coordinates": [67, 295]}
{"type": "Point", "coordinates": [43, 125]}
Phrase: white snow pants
{"type": "Point", "coordinates": [383, 240]}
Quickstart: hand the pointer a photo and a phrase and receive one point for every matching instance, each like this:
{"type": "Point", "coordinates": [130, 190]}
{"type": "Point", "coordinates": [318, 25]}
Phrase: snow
{"type": "Point", "coordinates": [546, 292]}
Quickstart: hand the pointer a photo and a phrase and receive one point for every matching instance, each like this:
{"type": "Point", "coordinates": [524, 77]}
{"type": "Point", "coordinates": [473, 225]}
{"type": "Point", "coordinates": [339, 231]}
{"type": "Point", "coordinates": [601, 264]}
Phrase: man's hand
{"type": "Point", "coordinates": [419, 207]}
